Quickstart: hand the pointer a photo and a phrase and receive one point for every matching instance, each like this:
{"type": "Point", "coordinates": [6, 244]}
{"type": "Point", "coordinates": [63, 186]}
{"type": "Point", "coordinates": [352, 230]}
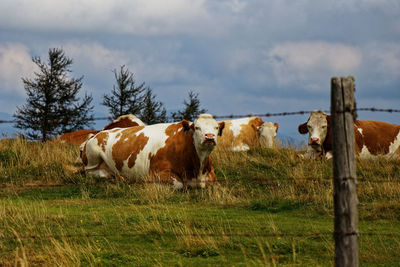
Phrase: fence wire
{"type": "Point", "coordinates": [236, 116]}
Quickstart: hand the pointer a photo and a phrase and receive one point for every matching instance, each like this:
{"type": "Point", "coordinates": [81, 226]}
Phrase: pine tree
{"type": "Point", "coordinates": [153, 111]}
{"type": "Point", "coordinates": [125, 98]}
{"type": "Point", "coordinates": [53, 106]}
{"type": "Point", "coordinates": [191, 108]}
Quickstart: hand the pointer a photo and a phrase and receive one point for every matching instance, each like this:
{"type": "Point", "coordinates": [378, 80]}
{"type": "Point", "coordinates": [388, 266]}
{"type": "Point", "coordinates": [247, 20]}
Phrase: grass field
{"type": "Point", "coordinates": [270, 208]}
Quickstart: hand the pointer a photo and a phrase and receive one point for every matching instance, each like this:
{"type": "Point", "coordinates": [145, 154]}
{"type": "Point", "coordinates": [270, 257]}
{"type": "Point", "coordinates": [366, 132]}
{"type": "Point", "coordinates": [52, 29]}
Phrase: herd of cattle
{"type": "Point", "coordinates": [179, 153]}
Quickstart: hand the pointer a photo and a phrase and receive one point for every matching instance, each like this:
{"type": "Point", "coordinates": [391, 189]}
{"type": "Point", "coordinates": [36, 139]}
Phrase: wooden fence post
{"type": "Point", "coordinates": [344, 171]}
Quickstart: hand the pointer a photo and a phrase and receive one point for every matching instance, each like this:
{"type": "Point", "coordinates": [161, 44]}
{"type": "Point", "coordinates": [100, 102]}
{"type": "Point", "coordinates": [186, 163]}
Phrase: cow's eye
{"type": "Point", "coordinates": [324, 127]}
{"type": "Point", "coordinates": [216, 128]}
{"type": "Point", "coordinates": [197, 128]}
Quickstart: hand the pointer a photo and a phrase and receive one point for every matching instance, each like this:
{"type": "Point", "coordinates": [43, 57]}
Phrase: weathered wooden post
{"type": "Point", "coordinates": [344, 171]}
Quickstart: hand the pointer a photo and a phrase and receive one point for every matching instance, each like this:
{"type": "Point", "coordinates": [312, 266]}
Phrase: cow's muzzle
{"type": "Point", "coordinates": [209, 139]}
{"type": "Point", "coordinates": [314, 141]}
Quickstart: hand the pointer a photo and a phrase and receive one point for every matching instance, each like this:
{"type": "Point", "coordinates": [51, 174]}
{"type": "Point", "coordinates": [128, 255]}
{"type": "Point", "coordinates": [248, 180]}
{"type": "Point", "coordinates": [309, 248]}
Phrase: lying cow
{"type": "Point", "coordinates": [241, 134]}
{"type": "Point", "coordinates": [173, 153]}
{"type": "Point", "coordinates": [78, 137]}
{"type": "Point", "coordinates": [372, 137]}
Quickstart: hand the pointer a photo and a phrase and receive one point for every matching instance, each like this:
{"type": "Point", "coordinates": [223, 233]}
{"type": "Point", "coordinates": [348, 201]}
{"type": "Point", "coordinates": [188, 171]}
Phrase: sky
{"type": "Point", "coordinates": [241, 57]}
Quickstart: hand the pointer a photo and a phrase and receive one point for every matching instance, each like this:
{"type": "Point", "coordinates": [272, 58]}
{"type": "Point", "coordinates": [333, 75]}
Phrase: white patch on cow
{"type": "Point", "coordinates": [177, 184]}
{"type": "Point", "coordinates": [365, 154]}
{"type": "Point", "coordinates": [242, 147]}
{"type": "Point", "coordinates": [394, 147]}
{"type": "Point", "coordinates": [360, 131]}
{"type": "Point", "coordinates": [236, 126]}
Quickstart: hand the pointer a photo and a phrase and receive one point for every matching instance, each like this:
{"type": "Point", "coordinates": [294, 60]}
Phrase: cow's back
{"type": "Point", "coordinates": [77, 137]}
{"type": "Point", "coordinates": [377, 137]}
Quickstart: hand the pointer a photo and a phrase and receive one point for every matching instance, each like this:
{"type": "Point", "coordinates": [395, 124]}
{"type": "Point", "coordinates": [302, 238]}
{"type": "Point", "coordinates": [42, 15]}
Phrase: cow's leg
{"type": "Point", "coordinates": [101, 170]}
{"type": "Point", "coordinates": [168, 177]}
{"type": "Point", "coordinates": [329, 155]}
{"type": "Point", "coordinates": [311, 153]}
{"type": "Point", "coordinates": [94, 164]}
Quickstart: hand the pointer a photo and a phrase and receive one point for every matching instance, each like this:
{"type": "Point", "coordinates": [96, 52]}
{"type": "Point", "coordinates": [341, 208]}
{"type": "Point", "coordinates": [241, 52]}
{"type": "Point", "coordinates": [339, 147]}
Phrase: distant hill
{"type": "Point", "coordinates": [291, 140]}
{"type": "Point", "coordinates": [6, 129]}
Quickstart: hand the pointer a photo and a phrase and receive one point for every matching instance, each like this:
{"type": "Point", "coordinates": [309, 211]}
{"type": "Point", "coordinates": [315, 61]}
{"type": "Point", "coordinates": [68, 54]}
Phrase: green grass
{"type": "Point", "coordinates": [270, 208]}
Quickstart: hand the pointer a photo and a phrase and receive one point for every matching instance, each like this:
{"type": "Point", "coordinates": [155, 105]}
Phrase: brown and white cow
{"type": "Point", "coordinates": [78, 137]}
{"type": "Point", "coordinates": [173, 153]}
{"type": "Point", "coordinates": [371, 137]}
{"type": "Point", "coordinates": [241, 134]}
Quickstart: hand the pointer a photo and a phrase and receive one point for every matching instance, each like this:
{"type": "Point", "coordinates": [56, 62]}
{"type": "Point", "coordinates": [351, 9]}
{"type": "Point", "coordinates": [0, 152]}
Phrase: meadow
{"type": "Point", "coordinates": [270, 208]}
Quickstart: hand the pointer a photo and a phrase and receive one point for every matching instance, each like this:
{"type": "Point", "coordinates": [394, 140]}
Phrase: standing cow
{"type": "Point", "coordinates": [241, 134]}
{"type": "Point", "coordinates": [173, 153]}
{"type": "Point", "coordinates": [371, 137]}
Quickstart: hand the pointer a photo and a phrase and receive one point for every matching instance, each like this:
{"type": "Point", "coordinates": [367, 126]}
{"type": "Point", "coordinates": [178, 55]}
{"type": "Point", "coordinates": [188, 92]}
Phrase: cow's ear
{"type": "Point", "coordinates": [303, 128]}
{"type": "Point", "coordinates": [257, 126]}
{"type": "Point", "coordinates": [276, 126]}
{"type": "Point", "coordinates": [328, 119]}
{"type": "Point", "coordinates": [221, 126]}
{"type": "Point", "coordinates": [187, 125]}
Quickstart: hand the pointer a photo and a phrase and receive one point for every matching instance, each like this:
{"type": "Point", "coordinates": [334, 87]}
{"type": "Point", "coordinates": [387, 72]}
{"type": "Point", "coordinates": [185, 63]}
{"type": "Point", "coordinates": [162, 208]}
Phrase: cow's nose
{"type": "Point", "coordinates": [315, 141]}
{"type": "Point", "coordinates": [209, 136]}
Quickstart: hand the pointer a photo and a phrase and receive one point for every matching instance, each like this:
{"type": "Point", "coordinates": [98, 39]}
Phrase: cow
{"type": "Point", "coordinates": [78, 137]}
{"type": "Point", "coordinates": [124, 121]}
{"type": "Point", "coordinates": [241, 134]}
{"type": "Point", "coordinates": [174, 153]}
{"type": "Point", "coordinates": [371, 137]}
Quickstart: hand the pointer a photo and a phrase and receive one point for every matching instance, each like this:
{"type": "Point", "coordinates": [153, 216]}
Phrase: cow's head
{"type": "Point", "coordinates": [268, 132]}
{"type": "Point", "coordinates": [205, 131]}
{"type": "Point", "coordinates": [317, 128]}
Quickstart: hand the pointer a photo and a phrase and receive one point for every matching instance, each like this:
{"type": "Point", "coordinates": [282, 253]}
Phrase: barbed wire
{"type": "Point", "coordinates": [233, 116]}
{"type": "Point", "coordinates": [153, 234]}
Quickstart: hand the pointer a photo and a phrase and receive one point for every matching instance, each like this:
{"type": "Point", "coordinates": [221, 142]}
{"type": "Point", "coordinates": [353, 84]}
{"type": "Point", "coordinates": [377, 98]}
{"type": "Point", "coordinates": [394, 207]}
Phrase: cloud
{"type": "Point", "coordinates": [310, 64]}
{"type": "Point", "coordinates": [119, 16]}
{"type": "Point", "coordinates": [156, 66]}
{"type": "Point", "coordinates": [94, 55]}
{"type": "Point", "coordinates": [390, 7]}
{"type": "Point", "coordinates": [15, 63]}
{"type": "Point", "coordinates": [385, 57]}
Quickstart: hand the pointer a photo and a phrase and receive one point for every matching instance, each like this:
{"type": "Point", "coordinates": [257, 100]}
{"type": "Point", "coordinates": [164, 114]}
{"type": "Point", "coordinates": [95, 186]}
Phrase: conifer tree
{"type": "Point", "coordinates": [125, 98]}
{"type": "Point", "coordinates": [153, 111]}
{"type": "Point", "coordinates": [191, 108]}
{"type": "Point", "coordinates": [53, 106]}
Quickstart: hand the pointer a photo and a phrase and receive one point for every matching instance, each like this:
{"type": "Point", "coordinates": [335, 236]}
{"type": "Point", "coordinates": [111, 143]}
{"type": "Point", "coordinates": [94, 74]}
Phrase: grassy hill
{"type": "Point", "coordinates": [269, 208]}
